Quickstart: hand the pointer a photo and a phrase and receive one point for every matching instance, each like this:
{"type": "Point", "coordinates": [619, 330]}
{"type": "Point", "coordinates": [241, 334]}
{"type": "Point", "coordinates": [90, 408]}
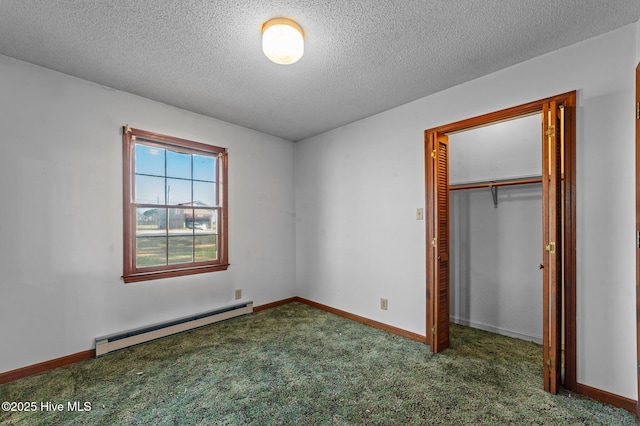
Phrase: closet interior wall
{"type": "Point", "coordinates": [496, 243]}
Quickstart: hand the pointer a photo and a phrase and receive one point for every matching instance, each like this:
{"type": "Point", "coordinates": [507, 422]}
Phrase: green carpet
{"type": "Point", "coordinates": [297, 365]}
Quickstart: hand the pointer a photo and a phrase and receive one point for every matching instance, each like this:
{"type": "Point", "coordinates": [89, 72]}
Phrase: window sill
{"type": "Point", "coordinates": [155, 275]}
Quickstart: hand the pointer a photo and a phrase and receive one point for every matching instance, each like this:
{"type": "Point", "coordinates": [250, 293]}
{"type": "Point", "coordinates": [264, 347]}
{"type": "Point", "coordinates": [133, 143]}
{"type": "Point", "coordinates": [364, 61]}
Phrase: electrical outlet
{"type": "Point", "coordinates": [238, 293]}
{"type": "Point", "coordinates": [419, 214]}
{"type": "Point", "coordinates": [384, 303]}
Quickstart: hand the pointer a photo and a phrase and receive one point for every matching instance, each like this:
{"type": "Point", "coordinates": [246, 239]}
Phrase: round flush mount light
{"type": "Point", "coordinates": [282, 40]}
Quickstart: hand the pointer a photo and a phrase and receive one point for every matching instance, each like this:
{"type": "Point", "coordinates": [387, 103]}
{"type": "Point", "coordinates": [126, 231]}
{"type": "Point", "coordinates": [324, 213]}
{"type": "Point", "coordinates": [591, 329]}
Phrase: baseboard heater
{"type": "Point", "coordinates": [125, 339]}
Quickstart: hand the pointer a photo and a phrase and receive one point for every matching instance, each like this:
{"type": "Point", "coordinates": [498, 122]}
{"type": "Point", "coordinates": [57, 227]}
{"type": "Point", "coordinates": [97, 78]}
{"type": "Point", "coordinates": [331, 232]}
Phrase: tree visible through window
{"type": "Point", "coordinates": [175, 210]}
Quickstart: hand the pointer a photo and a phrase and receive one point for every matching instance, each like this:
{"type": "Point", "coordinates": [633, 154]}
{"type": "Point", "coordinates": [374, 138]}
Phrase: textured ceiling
{"type": "Point", "coordinates": [361, 56]}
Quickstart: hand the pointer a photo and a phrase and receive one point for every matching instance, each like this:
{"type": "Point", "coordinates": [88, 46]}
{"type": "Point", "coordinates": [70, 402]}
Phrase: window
{"type": "Point", "coordinates": [175, 206]}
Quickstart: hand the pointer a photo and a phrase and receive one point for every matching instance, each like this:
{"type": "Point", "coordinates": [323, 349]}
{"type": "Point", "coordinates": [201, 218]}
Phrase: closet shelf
{"type": "Point", "coordinates": [494, 184]}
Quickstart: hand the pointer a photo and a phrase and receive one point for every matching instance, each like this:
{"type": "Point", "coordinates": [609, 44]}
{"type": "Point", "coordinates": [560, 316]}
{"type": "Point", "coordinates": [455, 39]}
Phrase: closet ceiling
{"type": "Point", "coordinates": [361, 57]}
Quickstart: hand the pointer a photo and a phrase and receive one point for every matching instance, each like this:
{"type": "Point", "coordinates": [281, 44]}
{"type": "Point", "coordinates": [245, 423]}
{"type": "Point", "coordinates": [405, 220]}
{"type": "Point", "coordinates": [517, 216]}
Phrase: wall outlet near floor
{"type": "Point", "coordinates": [238, 293]}
{"type": "Point", "coordinates": [419, 214]}
{"type": "Point", "coordinates": [384, 303]}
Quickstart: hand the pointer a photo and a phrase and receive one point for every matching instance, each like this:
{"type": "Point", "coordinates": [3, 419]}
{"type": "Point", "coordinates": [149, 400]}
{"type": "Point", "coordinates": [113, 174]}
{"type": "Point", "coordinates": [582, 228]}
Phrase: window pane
{"type": "Point", "coordinates": [204, 222]}
{"type": "Point", "coordinates": [178, 165]}
{"type": "Point", "coordinates": [151, 251]}
{"type": "Point", "coordinates": [180, 249]}
{"type": "Point", "coordinates": [205, 193]}
{"type": "Point", "coordinates": [179, 220]}
{"type": "Point", "coordinates": [178, 191]}
{"type": "Point", "coordinates": [214, 221]}
{"type": "Point", "coordinates": [204, 168]}
{"type": "Point", "coordinates": [206, 247]}
{"type": "Point", "coordinates": [149, 160]}
{"type": "Point", "coordinates": [149, 190]}
{"type": "Point", "coordinates": [197, 219]}
{"type": "Point", "coordinates": [151, 222]}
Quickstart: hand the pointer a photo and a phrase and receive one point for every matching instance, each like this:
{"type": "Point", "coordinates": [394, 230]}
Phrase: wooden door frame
{"type": "Point", "coordinates": [637, 120]}
{"type": "Point", "coordinates": [568, 100]}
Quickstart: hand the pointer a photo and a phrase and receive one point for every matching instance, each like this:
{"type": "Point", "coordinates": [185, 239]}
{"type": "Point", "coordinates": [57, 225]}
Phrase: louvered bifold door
{"type": "Point", "coordinates": [552, 244]}
{"type": "Point", "coordinates": [438, 244]}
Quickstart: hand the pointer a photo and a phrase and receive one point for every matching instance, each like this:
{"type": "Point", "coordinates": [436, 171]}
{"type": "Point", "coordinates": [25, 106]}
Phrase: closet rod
{"type": "Point", "coordinates": [496, 183]}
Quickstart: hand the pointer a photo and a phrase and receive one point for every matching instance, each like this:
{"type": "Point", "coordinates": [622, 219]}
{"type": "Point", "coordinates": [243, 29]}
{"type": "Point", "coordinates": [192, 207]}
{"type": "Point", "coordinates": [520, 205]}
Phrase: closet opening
{"type": "Point", "coordinates": [495, 224]}
{"type": "Point", "coordinates": [514, 168]}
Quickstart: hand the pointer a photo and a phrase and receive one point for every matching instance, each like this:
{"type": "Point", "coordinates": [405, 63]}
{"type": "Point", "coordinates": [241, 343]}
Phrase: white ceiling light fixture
{"type": "Point", "coordinates": [282, 40]}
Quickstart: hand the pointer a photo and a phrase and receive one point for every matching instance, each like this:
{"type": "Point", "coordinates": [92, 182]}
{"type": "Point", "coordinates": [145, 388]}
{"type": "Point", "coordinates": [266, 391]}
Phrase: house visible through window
{"type": "Point", "coordinates": [175, 209]}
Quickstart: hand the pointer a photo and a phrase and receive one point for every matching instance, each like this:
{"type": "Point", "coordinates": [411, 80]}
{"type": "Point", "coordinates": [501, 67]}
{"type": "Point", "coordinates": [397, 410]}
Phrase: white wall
{"type": "Point", "coordinates": [495, 252]}
{"type": "Point", "coordinates": [61, 216]}
{"type": "Point", "coordinates": [357, 189]}
{"type": "Point", "coordinates": [505, 150]}
{"type": "Point", "coordinates": [638, 43]}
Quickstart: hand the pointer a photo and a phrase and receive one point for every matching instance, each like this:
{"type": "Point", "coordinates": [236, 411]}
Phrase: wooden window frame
{"type": "Point", "coordinates": [132, 273]}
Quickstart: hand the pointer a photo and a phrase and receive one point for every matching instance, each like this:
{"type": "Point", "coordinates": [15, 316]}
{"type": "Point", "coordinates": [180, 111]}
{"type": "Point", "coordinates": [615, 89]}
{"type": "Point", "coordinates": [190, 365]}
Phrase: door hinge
{"type": "Point", "coordinates": [433, 330]}
{"type": "Point", "coordinates": [551, 131]}
{"type": "Point", "coordinates": [638, 111]}
{"type": "Point", "coordinates": [550, 364]}
{"type": "Point", "coordinates": [638, 239]}
{"type": "Point", "coordinates": [434, 242]}
{"type": "Point", "coordinates": [551, 247]}
{"type": "Point", "coordinates": [433, 154]}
